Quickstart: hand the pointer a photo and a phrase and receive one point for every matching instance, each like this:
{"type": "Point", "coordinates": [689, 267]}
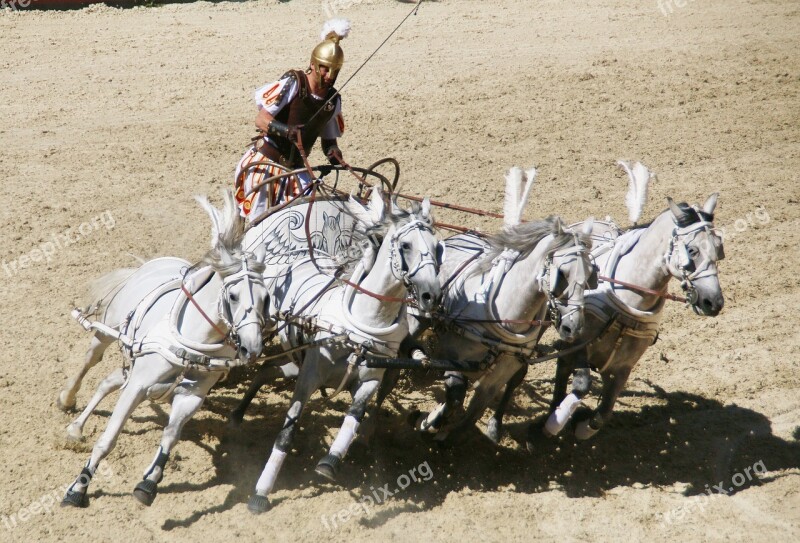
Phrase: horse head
{"type": "Point", "coordinates": [571, 274]}
{"type": "Point", "coordinates": [416, 253]}
{"type": "Point", "coordinates": [695, 249]}
{"type": "Point", "coordinates": [244, 296]}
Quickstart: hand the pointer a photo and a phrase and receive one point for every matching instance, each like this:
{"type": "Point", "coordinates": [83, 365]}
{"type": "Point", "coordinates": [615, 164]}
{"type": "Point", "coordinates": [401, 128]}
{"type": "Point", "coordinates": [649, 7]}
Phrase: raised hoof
{"type": "Point", "coordinates": [63, 405]}
{"type": "Point", "coordinates": [258, 504]}
{"type": "Point", "coordinates": [75, 499]}
{"type": "Point", "coordinates": [494, 430]}
{"type": "Point", "coordinates": [74, 433]}
{"type": "Point", "coordinates": [328, 467]}
{"type": "Point", "coordinates": [145, 492]}
{"type": "Point", "coordinates": [586, 423]}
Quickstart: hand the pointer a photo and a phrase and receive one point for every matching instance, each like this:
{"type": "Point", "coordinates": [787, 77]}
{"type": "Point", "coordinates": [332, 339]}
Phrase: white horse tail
{"type": "Point", "coordinates": [638, 179]}
{"type": "Point", "coordinates": [102, 289]}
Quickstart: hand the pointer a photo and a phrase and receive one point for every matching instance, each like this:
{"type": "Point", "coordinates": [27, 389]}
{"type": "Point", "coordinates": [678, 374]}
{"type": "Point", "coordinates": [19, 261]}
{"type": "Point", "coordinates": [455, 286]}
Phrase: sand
{"type": "Point", "coordinates": [113, 119]}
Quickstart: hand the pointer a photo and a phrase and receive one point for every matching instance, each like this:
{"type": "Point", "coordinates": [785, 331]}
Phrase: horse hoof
{"type": "Point", "coordinates": [586, 423]}
{"type": "Point", "coordinates": [74, 433]}
{"type": "Point", "coordinates": [235, 419]}
{"type": "Point", "coordinates": [328, 467]}
{"type": "Point", "coordinates": [258, 504]}
{"type": "Point", "coordinates": [536, 435]}
{"type": "Point", "coordinates": [494, 430]}
{"type": "Point", "coordinates": [63, 404]}
{"type": "Point", "coordinates": [75, 499]}
{"type": "Point", "coordinates": [413, 418]}
{"type": "Point", "coordinates": [145, 492]}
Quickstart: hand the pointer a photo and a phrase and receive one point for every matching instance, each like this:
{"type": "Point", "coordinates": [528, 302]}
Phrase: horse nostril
{"type": "Point", "coordinates": [426, 296]}
{"type": "Point", "coordinates": [566, 329]}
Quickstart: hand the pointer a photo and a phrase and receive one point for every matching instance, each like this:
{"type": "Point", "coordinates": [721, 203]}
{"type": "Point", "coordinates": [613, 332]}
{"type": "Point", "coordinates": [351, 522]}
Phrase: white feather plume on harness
{"type": "Point", "coordinates": [638, 179]}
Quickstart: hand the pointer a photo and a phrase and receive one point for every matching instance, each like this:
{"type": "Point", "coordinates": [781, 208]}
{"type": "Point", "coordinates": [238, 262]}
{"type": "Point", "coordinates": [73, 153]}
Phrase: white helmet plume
{"type": "Point", "coordinates": [335, 29]}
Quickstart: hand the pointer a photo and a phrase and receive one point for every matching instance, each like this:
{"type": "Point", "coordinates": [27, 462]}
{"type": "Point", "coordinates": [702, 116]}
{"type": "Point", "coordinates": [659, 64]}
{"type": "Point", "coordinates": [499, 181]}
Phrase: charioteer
{"type": "Point", "coordinates": [301, 106]}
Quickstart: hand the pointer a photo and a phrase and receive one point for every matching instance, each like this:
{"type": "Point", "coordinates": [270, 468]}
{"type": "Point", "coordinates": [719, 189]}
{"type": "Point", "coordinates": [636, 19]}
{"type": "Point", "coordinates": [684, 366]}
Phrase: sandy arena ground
{"type": "Point", "coordinates": [113, 119]}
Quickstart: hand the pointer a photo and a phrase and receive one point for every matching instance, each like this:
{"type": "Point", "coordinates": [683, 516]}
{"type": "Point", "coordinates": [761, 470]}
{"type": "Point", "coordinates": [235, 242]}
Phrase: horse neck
{"type": "Point", "coordinates": [379, 280]}
{"type": "Point", "coordinates": [644, 265]}
{"type": "Point", "coordinates": [519, 296]}
{"type": "Point", "coordinates": [192, 325]}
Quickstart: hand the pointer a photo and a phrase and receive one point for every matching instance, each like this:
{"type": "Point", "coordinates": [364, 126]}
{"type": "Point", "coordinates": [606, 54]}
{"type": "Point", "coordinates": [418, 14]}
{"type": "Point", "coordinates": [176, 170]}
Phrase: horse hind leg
{"type": "Point", "coordinates": [185, 404]}
{"type": "Point", "coordinates": [97, 346]}
{"type": "Point", "coordinates": [264, 374]}
{"type": "Point", "coordinates": [112, 382]}
{"type": "Point", "coordinates": [328, 467]}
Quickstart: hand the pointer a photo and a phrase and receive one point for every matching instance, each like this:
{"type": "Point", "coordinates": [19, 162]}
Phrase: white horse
{"type": "Point", "coordinates": [351, 322]}
{"type": "Point", "coordinates": [493, 308]}
{"type": "Point", "coordinates": [622, 321]}
{"type": "Point", "coordinates": [179, 346]}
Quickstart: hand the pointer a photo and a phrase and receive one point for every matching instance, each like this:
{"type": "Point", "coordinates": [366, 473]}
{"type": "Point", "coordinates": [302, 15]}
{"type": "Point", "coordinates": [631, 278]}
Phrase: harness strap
{"type": "Point", "coordinates": [203, 313]}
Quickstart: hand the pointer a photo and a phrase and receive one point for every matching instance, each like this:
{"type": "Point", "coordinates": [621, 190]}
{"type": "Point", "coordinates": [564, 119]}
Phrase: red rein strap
{"type": "Point", "coordinates": [666, 295]}
{"type": "Point", "coordinates": [200, 309]}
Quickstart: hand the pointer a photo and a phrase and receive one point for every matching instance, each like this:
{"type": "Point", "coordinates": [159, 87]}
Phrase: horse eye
{"type": "Point", "coordinates": [234, 297]}
{"type": "Point", "coordinates": [693, 251]}
{"type": "Point", "coordinates": [405, 246]}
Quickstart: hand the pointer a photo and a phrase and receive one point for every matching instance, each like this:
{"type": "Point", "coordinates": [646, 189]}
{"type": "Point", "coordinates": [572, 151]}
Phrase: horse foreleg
{"type": "Point", "coordinates": [494, 427]}
{"type": "Point", "coordinates": [455, 389]}
{"type": "Point", "coordinates": [112, 382]}
{"type": "Point", "coordinates": [185, 403]}
{"type": "Point", "coordinates": [307, 383]}
{"type": "Point", "coordinates": [329, 465]}
{"type": "Point", "coordinates": [130, 398]}
{"type": "Point", "coordinates": [98, 345]}
{"type": "Point", "coordinates": [613, 384]}
{"type": "Point", "coordinates": [581, 383]}
{"type": "Point", "coordinates": [389, 381]}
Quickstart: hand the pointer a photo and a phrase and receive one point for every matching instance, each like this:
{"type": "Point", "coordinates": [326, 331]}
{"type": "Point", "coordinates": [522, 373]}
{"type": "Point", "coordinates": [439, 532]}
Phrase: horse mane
{"type": "Point", "coordinates": [690, 215]}
{"type": "Point", "coordinates": [524, 238]}
{"type": "Point", "coordinates": [364, 236]}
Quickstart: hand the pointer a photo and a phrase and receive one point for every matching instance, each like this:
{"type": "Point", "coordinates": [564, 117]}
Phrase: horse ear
{"type": "Point", "coordinates": [710, 204]}
{"type": "Point", "coordinates": [426, 208]}
{"type": "Point", "coordinates": [676, 211]}
{"type": "Point", "coordinates": [588, 226]}
{"type": "Point", "coordinates": [558, 227]}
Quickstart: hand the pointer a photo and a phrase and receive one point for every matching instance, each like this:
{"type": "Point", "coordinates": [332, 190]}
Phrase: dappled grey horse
{"type": "Point", "coordinates": [498, 291]}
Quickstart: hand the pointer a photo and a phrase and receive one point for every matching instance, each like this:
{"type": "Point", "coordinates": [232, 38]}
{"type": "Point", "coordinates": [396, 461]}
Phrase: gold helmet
{"type": "Point", "coordinates": [328, 53]}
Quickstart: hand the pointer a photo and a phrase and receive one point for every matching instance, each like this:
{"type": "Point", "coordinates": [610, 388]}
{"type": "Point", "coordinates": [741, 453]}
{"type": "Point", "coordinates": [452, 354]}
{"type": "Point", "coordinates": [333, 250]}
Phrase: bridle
{"type": "Point", "coordinates": [548, 280]}
{"type": "Point", "coordinates": [233, 322]}
{"type": "Point", "coordinates": [399, 266]}
{"type": "Point", "coordinates": [679, 261]}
